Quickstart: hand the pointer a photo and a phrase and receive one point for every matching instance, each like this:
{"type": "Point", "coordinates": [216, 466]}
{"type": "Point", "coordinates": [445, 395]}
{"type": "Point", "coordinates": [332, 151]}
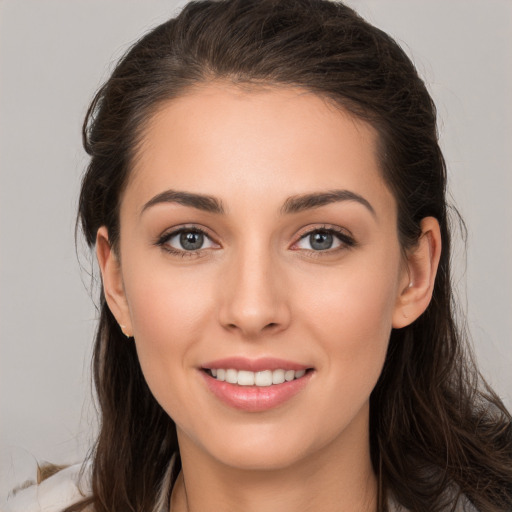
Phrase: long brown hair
{"type": "Point", "coordinates": [436, 428]}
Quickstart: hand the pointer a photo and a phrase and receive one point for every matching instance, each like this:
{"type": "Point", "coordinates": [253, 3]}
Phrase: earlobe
{"type": "Point", "coordinates": [112, 281]}
{"type": "Point", "coordinates": [422, 263]}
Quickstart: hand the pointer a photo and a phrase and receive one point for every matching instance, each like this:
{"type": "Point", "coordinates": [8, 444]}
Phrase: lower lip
{"type": "Point", "coordinates": [255, 398]}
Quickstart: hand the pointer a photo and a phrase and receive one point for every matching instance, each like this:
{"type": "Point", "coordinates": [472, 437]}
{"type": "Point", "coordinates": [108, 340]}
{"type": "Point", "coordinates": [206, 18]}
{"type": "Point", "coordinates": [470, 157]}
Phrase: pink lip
{"type": "Point", "coordinates": [254, 365]}
{"type": "Point", "coordinates": [255, 398]}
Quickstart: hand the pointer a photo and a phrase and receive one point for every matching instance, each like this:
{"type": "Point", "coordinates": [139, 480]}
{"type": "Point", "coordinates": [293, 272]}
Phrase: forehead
{"type": "Point", "coordinates": [255, 142]}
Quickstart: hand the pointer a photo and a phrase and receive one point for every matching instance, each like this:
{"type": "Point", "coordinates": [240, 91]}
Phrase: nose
{"type": "Point", "coordinates": [254, 296]}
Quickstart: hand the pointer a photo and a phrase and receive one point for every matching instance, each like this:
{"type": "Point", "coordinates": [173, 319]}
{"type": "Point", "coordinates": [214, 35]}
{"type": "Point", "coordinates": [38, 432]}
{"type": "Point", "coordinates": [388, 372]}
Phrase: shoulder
{"type": "Point", "coordinates": [54, 494]}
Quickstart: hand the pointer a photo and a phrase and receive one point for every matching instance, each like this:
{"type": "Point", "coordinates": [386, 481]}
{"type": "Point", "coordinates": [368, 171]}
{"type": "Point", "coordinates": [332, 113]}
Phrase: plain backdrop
{"type": "Point", "coordinates": [53, 56]}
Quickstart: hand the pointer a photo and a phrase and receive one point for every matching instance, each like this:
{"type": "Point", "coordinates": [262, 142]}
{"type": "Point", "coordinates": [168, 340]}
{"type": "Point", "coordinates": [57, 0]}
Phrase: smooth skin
{"type": "Point", "coordinates": [260, 286]}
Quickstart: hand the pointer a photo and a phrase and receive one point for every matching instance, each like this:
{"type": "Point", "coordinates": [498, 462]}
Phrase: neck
{"type": "Point", "coordinates": [337, 478]}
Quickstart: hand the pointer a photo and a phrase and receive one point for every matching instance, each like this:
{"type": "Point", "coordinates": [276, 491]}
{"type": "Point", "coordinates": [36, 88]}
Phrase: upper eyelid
{"type": "Point", "coordinates": [325, 227]}
{"type": "Point", "coordinates": [168, 233]}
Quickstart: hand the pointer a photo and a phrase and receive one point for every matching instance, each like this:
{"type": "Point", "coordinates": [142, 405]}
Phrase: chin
{"type": "Point", "coordinates": [262, 447]}
{"type": "Point", "coordinates": [267, 458]}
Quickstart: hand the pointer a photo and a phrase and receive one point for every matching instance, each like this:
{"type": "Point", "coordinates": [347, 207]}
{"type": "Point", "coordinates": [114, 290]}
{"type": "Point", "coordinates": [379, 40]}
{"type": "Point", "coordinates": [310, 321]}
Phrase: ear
{"type": "Point", "coordinates": [113, 281]}
{"type": "Point", "coordinates": [419, 276]}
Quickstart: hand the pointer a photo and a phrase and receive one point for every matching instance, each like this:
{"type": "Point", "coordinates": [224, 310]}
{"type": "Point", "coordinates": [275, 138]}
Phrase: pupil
{"type": "Point", "coordinates": [321, 241]}
{"type": "Point", "coordinates": [191, 240]}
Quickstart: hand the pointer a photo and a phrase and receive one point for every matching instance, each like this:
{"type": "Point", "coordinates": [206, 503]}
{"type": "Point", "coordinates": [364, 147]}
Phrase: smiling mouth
{"type": "Point", "coordinates": [263, 378]}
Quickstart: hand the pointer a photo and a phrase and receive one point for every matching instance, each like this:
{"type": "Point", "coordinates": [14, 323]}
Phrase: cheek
{"type": "Point", "coordinates": [349, 311]}
{"type": "Point", "coordinates": [358, 299]}
{"type": "Point", "coordinates": [160, 313]}
{"type": "Point", "coordinates": [168, 310]}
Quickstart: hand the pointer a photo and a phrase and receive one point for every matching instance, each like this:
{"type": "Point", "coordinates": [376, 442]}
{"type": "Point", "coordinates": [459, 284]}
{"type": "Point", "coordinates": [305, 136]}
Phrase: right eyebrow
{"type": "Point", "coordinates": [200, 201]}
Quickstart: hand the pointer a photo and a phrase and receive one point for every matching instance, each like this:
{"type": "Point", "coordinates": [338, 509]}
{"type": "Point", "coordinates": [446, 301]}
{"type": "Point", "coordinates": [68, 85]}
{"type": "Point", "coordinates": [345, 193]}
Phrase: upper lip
{"type": "Point", "coordinates": [254, 365]}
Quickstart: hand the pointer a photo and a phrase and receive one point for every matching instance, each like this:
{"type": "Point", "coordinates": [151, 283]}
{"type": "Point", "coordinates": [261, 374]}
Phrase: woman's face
{"type": "Point", "coordinates": [258, 241]}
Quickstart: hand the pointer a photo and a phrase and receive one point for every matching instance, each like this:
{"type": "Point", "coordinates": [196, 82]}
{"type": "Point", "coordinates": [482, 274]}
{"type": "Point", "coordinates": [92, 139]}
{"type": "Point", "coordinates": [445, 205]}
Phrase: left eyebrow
{"type": "Point", "coordinates": [296, 204]}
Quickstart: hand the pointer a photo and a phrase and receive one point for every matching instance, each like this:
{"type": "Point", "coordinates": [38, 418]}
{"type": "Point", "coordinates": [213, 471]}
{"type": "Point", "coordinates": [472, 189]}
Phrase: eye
{"type": "Point", "coordinates": [324, 239]}
{"type": "Point", "coordinates": [186, 240]}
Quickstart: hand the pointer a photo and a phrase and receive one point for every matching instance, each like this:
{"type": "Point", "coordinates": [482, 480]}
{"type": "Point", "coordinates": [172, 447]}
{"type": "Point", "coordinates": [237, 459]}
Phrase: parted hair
{"type": "Point", "coordinates": [436, 427]}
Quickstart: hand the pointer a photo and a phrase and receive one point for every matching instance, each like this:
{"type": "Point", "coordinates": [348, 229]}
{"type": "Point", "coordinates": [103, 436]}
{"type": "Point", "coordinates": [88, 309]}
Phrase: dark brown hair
{"type": "Point", "coordinates": [434, 433]}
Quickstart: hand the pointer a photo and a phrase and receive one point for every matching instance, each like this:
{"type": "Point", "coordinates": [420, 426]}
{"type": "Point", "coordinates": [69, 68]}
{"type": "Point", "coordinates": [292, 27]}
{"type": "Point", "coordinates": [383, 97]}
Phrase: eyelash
{"type": "Point", "coordinates": [347, 242]}
{"type": "Point", "coordinates": [162, 241]}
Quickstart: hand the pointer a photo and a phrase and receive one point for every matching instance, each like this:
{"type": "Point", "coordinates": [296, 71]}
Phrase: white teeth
{"type": "Point", "coordinates": [289, 375]}
{"type": "Point", "coordinates": [277, 376]}
{"type": "Point", "coordinates": [232, 376]}
{"type": "Point", "coordinates": [245, 378]}
{"type": "Point", "coordinates": [263, 379]}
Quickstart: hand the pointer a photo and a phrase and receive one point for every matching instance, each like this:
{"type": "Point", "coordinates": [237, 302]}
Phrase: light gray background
{"type": "Point", "coordinates": [53, 56]}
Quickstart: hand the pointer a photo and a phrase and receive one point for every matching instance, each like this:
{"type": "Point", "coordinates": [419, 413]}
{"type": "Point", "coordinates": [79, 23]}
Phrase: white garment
{"type": "Point", "coordinates": [67, 487]}
{"type": "Point", "coordinates": [53, 494]}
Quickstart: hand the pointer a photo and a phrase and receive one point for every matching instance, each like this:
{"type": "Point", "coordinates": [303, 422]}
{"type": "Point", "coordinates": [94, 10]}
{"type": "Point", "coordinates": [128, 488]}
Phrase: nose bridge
{"type": "Point", "coordinates": [254, 300]}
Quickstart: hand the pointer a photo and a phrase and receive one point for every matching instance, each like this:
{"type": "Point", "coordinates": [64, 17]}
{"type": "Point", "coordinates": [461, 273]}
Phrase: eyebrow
{"type": "Point", "coordinates": [293, 204]}
{"type": "Point", "coordinates": [296, 204]}
{"type": "Point", "coordinates": [199, 201]}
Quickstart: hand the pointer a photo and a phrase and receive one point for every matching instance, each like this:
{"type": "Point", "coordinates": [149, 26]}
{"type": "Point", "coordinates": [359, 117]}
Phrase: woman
{"type": "Point", "coordinates": [266, 196]}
